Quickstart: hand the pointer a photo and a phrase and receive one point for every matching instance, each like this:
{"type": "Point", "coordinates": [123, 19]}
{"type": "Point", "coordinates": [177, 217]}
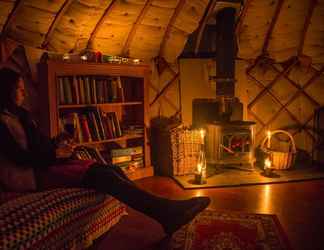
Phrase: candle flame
{"type": "Point", "coordinates": [199, 167]}
{"type": "Point", "coordinates": [202, 133]}
{"type": "Point", "coordinates": [267, 163]}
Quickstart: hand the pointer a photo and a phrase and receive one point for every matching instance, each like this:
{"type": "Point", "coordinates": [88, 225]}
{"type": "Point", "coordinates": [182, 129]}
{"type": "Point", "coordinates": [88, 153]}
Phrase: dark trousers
{"type": "Point", "coordinates": [112, 180]}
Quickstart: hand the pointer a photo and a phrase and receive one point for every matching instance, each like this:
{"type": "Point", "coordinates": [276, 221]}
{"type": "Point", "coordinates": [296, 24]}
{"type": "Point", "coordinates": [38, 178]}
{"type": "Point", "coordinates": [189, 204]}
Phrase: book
{"type": "Point", "coordinates": [67, 90]}
{"type": "Point", "coordinates": [120, 159]}
{"type": "Point", "coordinates": [126, 151]}
{"type": "Point", "coordinates": [81, 89]}
{"type": "Point", "coordinates": [85, 128]}
{"type": "Point", "coordinates": [87, 91]}
{"type": "Point", "coordinates": [60, 83]}
{"type": "Point", "coordinates": [75, 91]}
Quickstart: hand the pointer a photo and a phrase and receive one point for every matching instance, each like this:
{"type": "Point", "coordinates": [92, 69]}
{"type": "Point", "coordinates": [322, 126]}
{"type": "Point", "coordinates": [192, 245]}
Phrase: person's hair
{"type": "Point", "coordinates": [8, 83]}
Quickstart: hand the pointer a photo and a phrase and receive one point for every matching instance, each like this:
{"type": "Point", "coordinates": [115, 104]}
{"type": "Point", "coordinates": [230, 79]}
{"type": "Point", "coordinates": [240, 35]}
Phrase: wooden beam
{"type": "Point", "coordinates": [100, 22]}
{"type": "Point", "coordinates": [164, 97]}
{"type": "Point", "coordinates": [11, 17]}
{"type": "Point", "coordinates": [266, 88]}
{"type": "Point", "coordinates": [272, 24]}
{"type": "Point", "coordinates": [167, 86]}
{"type": "Point", "coordinates": [135, 27]}
{"type": "Point", "coordinates": [241, 18]}
{"type": "Point", "coordinates": [210, 7]}
{"type": "Point", "coordinates": [55, 22]}
{"type": "Point", "coordinates": [170, 24]}
{"type": "Point", "coordinates": [309, 15]}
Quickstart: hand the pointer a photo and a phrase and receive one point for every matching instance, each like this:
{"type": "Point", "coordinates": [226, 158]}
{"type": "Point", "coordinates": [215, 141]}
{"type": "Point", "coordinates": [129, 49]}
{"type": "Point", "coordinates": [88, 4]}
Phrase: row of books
{"type": "Point", "coordinates": [89, 90]}
{"type": "Point", "coordinates": [91, 125]}
{"type": "Point", "coordinates": [129, 158]}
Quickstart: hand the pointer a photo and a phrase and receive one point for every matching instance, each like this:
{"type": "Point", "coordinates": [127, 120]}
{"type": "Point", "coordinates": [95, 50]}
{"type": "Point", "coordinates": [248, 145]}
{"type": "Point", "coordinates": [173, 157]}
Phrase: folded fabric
{"type": "Point", "coordinates": [66, 174]}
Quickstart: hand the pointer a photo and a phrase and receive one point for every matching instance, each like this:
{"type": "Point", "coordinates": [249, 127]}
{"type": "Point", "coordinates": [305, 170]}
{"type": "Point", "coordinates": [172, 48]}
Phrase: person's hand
{"type": "Point", "coordinates": [64, 151]}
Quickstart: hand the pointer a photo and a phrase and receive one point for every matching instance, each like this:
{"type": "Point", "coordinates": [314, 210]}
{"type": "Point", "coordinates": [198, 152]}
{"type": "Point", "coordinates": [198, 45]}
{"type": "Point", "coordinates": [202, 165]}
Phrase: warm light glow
{"type": "Point", "coordinates": [136, 61]}
{"type": "Point", "coordinates": [84, 57]}
{"type": "Point", "coordinates": [202, 133]}
{"type": "Point", "coordinates": [267, 163]}
{"type": "Point", "coordinates": [199, 168]}
{"type": "Point", "coordinates": [266, 199]}
{"type": "Point", "coordinates": [66, 57]}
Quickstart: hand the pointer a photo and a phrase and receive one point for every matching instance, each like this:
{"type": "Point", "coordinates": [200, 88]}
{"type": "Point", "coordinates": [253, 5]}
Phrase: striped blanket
{"type": "Point", "coordinates": [64, 218]}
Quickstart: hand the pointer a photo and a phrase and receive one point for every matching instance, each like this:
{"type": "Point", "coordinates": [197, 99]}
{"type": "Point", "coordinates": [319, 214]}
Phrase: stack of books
{"type": "Point", "coordinates": [88, 153]}
{"type": "Point", "coordinates": [89, 90]}
{"type": "Point", "coordinates": [129, 158]}
{"type": "Point", "coordinates": [91, 125]}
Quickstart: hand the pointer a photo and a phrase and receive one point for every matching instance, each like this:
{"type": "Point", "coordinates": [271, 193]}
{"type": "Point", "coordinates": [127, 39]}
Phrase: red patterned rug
{"type": "Point", "coordinates": [213, 230]}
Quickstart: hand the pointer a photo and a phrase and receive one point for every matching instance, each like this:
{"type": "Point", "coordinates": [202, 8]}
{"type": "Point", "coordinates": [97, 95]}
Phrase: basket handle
{"type": "Point", "coordinates": [283, 132]}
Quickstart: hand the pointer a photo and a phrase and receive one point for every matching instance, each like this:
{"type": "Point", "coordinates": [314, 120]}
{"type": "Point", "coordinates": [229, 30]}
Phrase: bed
{"type": "Point", "coordinates": [62, 218]}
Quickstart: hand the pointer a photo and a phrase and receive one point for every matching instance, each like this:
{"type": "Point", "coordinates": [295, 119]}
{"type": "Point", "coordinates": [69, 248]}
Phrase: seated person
{"type": "Point", "coordinates": [25, 147]}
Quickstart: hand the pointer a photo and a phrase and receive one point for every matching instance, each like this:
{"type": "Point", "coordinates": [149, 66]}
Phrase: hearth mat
{"type": "Point", "coordinates": [230, 176]}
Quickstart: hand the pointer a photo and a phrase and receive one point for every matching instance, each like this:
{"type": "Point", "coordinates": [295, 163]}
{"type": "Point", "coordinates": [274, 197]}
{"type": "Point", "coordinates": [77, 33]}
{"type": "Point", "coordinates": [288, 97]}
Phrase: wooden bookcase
{"type": "Point", "coordinates": [132, 109]}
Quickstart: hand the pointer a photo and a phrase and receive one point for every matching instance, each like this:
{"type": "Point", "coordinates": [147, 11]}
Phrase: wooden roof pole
{"type": "Point", "coordinates": [171, 22]}
{"type": "Point", "coordinates": [309, 15]}
{"type": "Point", "coordinates": [11, 17]}
{"type": "Point", "coordinates": [165, 88]}
{"type": "Point", "coordinates": [100, 22]}
{"type": "Point", "coordinates": [55, 22]}
{"type": "Point", "coordinates": [138, 21]}
{"type": "Point", "coordinates": [210, 7]}
{"type": "Point", "coordinates": [241, 18]}
{"type": "Point", "coordinates": [272, 24]}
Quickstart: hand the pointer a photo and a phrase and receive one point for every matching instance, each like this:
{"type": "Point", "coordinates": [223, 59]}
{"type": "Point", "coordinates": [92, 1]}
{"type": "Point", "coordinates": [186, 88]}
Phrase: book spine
{"type": "Point", "coordinates": [60, 83]}
{"type": "Point", "coordinates": [85, 128]}
{"type": "Point", "coordinates": [67, 90]}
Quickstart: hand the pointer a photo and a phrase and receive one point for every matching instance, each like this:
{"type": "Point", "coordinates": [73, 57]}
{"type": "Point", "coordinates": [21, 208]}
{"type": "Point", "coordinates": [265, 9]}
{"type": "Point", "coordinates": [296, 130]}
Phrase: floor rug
{"type": "Point", "coordinates": [229, 177]}
{"type": "Point", "coordinates": [213, 230]}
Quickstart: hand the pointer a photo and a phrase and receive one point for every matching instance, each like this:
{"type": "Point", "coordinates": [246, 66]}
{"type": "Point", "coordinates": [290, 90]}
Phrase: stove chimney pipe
{"type": "Point", "coordinates": [225, 52]}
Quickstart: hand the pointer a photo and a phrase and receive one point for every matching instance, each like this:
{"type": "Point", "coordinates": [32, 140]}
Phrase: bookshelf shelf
{"type": "Point", "coordinates": [99, 105]}
{"type": "Point", "coordinates": [106, 105]}
{"type": "Point", "coordinates": [122, 138]}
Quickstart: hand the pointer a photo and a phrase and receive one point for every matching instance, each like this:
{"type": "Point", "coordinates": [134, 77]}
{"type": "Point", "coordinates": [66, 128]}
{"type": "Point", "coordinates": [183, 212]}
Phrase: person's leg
{"type": "Point", "coordinates": [171, 214]}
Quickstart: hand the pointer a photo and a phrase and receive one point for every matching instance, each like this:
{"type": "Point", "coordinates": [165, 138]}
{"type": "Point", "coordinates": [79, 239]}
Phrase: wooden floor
{"type": "Point", "coordinates": [299, 205]}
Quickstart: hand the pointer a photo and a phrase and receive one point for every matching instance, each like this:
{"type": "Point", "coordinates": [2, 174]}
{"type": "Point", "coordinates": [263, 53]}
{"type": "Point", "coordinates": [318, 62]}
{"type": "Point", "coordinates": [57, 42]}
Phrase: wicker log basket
{"type": "Point", "coordinates": [280, 160]}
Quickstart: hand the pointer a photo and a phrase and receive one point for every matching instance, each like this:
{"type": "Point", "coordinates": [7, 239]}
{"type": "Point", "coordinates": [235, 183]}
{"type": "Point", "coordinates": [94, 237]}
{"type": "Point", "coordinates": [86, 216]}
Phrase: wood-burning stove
{"type": "Point", "coordinates": [230, 143]}
{"type": "Point", "coordinates": [229, 139]}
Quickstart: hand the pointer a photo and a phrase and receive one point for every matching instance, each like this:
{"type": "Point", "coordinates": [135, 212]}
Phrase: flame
{"type": "Point", "coordinates": [267, 163]}
{"type": "Point", "coordinates": [202, 133]}
{"type": "Point", "coordinates": [199, 168]}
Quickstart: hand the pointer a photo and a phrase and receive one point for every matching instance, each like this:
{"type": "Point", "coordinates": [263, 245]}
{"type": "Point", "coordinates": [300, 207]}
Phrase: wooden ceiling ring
{"type": "Point", "coordinates": [210, 7]}
{"type": "Point", "coordinates": [100, 22]}
{"type": "Point", "coordinates": [132, 33]}
{"type": "Point", "coordinates": [278, 76]}
{"type": "Point", "coordinates": [166, 35]}
{"type": "Point", "coordinates": [164, 97]}
{"type": "Point", "coordinates": [11, 17]}
{"type": "Point", "coordinates": [165, 88]}
{"type": "Point", "coordinates": [308, 17]}
{"type": "Point", "coordinates": [55, 22]}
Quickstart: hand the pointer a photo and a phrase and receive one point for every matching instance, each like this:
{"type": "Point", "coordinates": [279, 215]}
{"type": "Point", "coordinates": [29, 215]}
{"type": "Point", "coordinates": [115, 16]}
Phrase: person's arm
{"type": "Point", "coordinates": [12, 150]}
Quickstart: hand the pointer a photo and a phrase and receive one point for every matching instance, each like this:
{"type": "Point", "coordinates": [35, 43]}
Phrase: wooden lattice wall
{"type": "Point", "coordinates": [284, 96]}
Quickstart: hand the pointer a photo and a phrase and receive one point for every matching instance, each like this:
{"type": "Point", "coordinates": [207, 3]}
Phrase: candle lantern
{"type": "Point", "coordinates": [200, 175]}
